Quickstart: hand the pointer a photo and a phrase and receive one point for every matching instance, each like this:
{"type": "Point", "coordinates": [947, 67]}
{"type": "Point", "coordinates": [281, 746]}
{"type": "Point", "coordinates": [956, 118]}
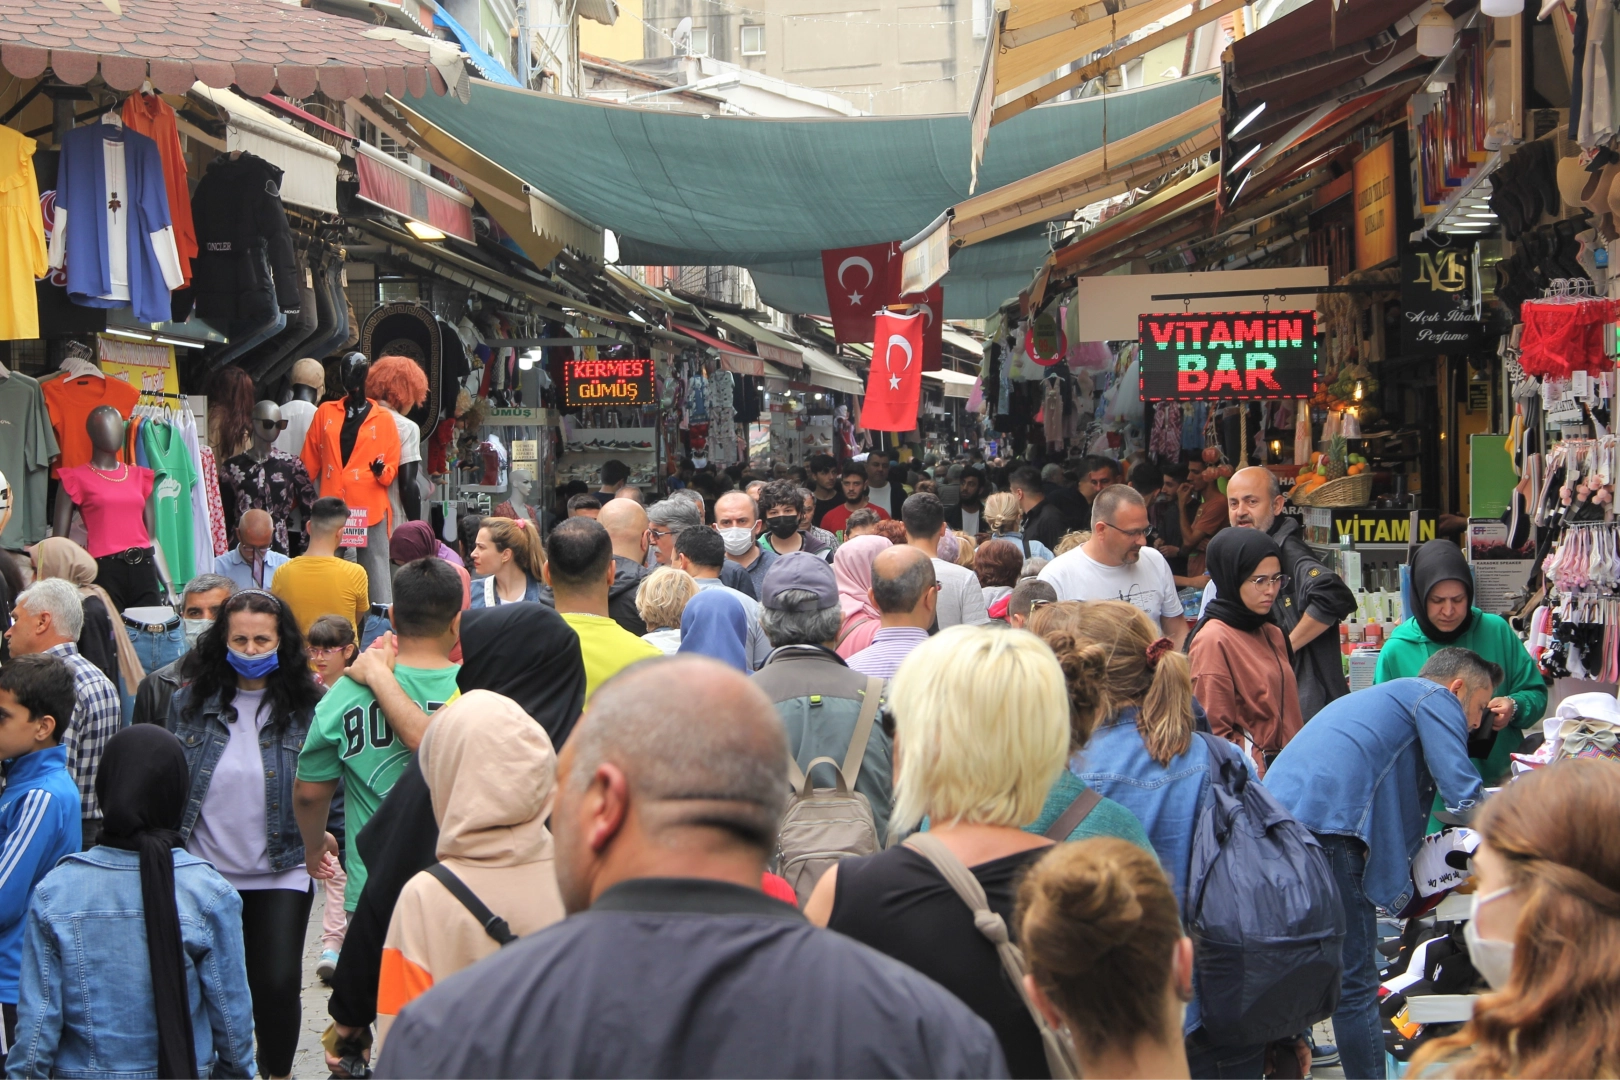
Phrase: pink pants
{"type": "Point", "coordinates": [334, 920]}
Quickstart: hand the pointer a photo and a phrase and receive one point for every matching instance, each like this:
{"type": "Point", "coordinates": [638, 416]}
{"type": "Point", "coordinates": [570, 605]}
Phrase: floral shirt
{"type": "Point", "coordinates": [279, 484]}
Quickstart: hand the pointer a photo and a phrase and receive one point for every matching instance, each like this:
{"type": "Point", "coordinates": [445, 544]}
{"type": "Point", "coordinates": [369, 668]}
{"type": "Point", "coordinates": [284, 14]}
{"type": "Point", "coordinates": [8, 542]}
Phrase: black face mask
{"type": "Point", "coordinates": [782, 527]}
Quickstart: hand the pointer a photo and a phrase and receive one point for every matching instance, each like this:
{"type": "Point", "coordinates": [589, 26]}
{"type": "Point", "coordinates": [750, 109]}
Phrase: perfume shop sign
{"type": "Point", "coordinates": [1234, 356]}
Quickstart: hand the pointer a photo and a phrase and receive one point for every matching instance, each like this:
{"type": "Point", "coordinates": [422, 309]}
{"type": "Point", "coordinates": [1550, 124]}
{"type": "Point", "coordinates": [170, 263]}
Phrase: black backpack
{"type": "Point", "coordinates": [1263, 910]}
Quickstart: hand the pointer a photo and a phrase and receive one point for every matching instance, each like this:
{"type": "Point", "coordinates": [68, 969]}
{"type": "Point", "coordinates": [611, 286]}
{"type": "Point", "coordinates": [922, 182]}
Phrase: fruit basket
{"type": "Point", "coordinates": [1346, 491]}
{"type": "Point", "coordinates": [1335, 479]}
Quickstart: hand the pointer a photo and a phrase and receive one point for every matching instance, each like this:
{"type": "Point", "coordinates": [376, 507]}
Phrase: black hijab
{"type": "Point", "coordinates": [523, 650]}
{"type": "Point", "coordinates": [529, 653]}
{"type": "Point", "coordinates": [1437, 561]}
{"type": "Point", "coordinates": [142, 785]}
{"type": "Point", "coordinates": [1231, 559]}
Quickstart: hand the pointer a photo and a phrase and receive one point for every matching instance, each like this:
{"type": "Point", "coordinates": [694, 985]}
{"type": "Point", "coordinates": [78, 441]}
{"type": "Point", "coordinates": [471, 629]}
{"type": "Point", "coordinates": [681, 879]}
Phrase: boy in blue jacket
{"type": "Point", "coordinates": [39, 811]}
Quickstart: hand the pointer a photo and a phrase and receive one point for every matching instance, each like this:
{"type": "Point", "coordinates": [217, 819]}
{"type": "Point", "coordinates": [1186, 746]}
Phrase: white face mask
{"type": "Point", "coordinates": [1493, 959]}
{"type": "Point", "coordinates": [738, 540]}
{"type": "Point", "coordinates": [194, 629]}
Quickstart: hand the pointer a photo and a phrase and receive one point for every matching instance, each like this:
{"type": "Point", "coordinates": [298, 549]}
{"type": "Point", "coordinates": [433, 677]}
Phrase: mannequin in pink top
{"type": "Point", "coordinates": [114, 499]}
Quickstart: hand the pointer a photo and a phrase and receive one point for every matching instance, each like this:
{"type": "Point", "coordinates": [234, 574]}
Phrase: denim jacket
{"type": "Point", "coordinates": [1368, 766]}
{"type": "Point", "coordinates": [203, 739]}
{"type": "Point", "coordinates": [85, 1008]}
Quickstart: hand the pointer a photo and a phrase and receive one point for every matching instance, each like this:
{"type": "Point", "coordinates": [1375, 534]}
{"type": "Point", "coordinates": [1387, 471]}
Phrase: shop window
{"type": "Point", "coordinates": [700, 42]}
{"type": "Point", "coordinates": [753, 41]}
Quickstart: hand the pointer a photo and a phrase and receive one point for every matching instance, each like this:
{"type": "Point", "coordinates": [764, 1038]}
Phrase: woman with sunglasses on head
{"type": "Point", "coordinates": [1445, 615]}
{"type": "Point", "coordinates": [1242, 664]}
{"type": "Point", "coordinates": [241, 720]}
{"type": "Point", "coordinates": [1545, 931]}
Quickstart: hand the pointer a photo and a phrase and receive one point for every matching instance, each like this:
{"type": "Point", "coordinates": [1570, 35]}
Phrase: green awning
{"type": "Point", "coordinates": [770, 194]}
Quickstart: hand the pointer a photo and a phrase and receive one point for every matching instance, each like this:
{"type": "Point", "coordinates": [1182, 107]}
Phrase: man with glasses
{"type": "Point", "coordinates": [1315, 601]}
{"type": "Point", "coordinates": [1117, 563]}
{"type": "Point", "coordinates": [253, 562]}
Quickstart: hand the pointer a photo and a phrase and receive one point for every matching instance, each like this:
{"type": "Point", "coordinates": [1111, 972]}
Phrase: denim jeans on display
{"type": "Point", "coordinates": [155, 646]}
{"type": "Point", "coordinates": [1357, 1031]}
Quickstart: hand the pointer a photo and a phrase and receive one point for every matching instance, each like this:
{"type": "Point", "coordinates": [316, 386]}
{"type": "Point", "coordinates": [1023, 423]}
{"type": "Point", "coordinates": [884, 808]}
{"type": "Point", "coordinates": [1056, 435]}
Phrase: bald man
{"type": "Point", "coordinates": [670, 794]}
{"type": "Point", "coordinates": [906, 594]}
{"type": "Point", "coordinates": [308, 383]}
{"type": "Point", "coordinates": [626, 523]}
{"type": "Point", "coordinates": [251, 564]}
{"type": "Point", "coordinates": [736, 519]}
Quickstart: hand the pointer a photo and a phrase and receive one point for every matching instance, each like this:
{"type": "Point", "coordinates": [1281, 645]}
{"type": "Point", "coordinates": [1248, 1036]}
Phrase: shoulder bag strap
{"type": "Point", "coordinates": [849, 628]}
{"type": "Point", "coordinates": [490, 597]}
{"type": "Point", "coordinates": [1059, 1056]}
{"type": "Point", "coordinates": [493, 924]}
{"type": "Point", "coordinates": [1068, 821]}
{"type": "Point", "coordinates": [871, 699]}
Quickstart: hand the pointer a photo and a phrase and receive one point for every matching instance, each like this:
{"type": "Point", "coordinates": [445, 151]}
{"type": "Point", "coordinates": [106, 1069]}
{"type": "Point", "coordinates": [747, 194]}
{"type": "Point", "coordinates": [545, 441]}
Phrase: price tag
{"type": "Point", "coordinates": [1577, 383]}
{"type": "Point", "coordinates": [525, 449]}
{"type": "Point", "coordinates": [354, 531]}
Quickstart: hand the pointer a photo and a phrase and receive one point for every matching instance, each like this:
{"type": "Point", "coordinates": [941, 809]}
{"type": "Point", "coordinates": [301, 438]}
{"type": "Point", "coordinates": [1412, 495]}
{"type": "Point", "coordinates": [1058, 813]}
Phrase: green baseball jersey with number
{"type": "Point", "coordinates": [350, 738]}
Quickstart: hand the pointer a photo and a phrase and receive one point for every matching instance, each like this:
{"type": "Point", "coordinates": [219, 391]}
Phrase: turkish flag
{"type": "Point", "coordinates": [860, 281]}
{"type": "Point", "coordinates": [931, 304]}
{"type": "Point", "coordinates": [894, 384]}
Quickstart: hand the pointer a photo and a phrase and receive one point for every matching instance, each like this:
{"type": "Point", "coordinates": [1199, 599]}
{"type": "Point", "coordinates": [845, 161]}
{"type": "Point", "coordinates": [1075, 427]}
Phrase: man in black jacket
{"type": "Point", "coordinates": [1043, 521]}
{"type": "Point", "coordinates": [1316, 600]}
{"type": "Point", "coordinates": [199, 607]}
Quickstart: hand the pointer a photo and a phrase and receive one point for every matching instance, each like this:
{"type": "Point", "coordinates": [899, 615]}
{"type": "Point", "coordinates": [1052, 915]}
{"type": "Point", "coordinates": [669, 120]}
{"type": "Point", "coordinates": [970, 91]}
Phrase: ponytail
{"type": "Point", "coordinates": [1166, 717]}
{"type": "Point", "coordinates": [521, 538]}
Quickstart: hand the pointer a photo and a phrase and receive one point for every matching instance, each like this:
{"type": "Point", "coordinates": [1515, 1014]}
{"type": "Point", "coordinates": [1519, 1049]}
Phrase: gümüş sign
{"type": "Point", "coordinates": [1232, 355]}
{"type": "Point", "coordinates": [608, 382]}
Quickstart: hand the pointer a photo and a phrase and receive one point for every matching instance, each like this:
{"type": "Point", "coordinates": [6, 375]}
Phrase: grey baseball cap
{"type": "Point", "coordinates": [800, 570]}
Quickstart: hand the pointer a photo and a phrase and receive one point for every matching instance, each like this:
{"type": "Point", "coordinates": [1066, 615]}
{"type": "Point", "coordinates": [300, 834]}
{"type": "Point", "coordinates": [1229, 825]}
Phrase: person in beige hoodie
{"type": "Point", "coordinates": [493, 776]}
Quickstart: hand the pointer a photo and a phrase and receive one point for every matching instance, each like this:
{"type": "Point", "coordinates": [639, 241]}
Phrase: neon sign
{"type": "Point", "coordinates": [608, 382]}
{"type": "Point", "coordinates": [1237, 355]}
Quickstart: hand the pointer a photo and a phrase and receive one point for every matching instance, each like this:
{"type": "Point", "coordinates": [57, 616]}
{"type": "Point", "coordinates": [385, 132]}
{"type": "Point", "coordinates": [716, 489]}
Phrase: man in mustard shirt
{"type": "Point", "coordinates": [320, 582]}
{"type": "Point", "coordinates": [579, 568]}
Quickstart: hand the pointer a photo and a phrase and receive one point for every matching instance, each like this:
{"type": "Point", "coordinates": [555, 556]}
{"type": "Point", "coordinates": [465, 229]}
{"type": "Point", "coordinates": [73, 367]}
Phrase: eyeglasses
{"type": "Point", "coordinates": [1033, 604]}
{"type": "Point", "coordinates": [1134, 534]}
{"type": "Point", "coordinates": [659, 534]}
{"type": "Point", "coordinates": [1266, 580]}
{"type": "Point", "coordinates": [318, 652]}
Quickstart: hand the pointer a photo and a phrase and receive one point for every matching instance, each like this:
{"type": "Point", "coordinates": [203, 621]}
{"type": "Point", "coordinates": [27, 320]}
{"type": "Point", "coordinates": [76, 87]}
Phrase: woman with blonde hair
{"type": "Point", "coordinates": [1002, 517]}
{"type": "Point", "coordinates": [660, 599]}
{"type": "Point", "coordinates": [1545, 931]}
{"type": "Point", "coordinates": [507, 557]}
{"type": "Point", "coordinates": [1108, 961]}
{"type": "Point", "coordinates": [980, 723]}
{"type": "Point", "coordinates": [1131, 691]}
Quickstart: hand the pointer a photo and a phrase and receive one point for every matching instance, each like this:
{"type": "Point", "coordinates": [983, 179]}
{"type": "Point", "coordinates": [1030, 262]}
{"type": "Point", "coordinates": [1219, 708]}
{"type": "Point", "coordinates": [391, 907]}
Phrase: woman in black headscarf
{"type": "Point", "coordinates": [522, 650]}
{"type": "Point", "coordinates": [1242, 666]}
{"type": "Point", "coordinates": [190, 920]}
{"type": "Point", "coordinates": [1443, 614]}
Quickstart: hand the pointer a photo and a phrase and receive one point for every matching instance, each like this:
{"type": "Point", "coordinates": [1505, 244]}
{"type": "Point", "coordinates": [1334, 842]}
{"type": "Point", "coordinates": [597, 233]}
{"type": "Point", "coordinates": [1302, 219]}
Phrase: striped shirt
{"type": "Point", "coordinates": [889, 647]}
{"type": "Point", "coordinates": [96, 719]}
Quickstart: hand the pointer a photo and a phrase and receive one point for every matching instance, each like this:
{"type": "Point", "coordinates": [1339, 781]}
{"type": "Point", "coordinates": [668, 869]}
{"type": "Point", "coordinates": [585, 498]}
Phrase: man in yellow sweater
{"type": "Point", "coordinates": [579, 568]}
{"type": "Point", "coordinates": [321, 582]}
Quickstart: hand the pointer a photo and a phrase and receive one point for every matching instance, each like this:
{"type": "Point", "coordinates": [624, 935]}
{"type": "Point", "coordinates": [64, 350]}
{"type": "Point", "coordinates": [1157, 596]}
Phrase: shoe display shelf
{"type": "Point", "coordinates": [588, 448]}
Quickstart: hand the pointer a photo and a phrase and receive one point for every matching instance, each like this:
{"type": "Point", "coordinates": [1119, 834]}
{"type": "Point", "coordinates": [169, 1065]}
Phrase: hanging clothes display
{"type": "Point", "coordinates": [27, 444]}
{"type": "Point", "coordinates": [153, 117]}
{"type": "Point", "coordinates": [22, 237]}
{"type": "Point", "coordinates": [70, 397]}
{"type": "Point", "coordinates": [245, 270]}
{"type": "Point", "coordinates": [112, 231]}
{"type": "Point", "coordinates": [279, 485]}
{"type": "Point", "coordinates": [175, 475]}
{"type": "Point", "coordinates": [722, 419]}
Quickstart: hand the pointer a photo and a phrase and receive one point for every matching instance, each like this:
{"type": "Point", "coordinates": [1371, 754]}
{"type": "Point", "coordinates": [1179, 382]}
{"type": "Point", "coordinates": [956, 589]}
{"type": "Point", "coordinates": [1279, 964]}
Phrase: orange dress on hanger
{"type": "Point", "coordinates": [153, 117]}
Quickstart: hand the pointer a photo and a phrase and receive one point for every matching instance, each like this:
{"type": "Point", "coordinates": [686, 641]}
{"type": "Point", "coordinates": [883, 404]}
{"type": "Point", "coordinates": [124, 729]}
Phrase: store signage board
{"type": "Point", "coordinates": [1437, 302]}
{"type": "Point", "coordinates": [1376, 221]}
{"type": "Point", "coordinates": [520, 418]}
{"type": "Point", "coordinates": [525, 449]}
{"type": "Point", "coordinates": [1228, 355]}
{"type": "Point", "coordinates": [354, 530]}
{"type": "Point", "coordinates": [608, 382]}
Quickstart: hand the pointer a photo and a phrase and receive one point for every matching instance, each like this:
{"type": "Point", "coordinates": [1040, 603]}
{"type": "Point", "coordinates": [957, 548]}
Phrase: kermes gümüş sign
{"type": "Point", "coordinates": [608, 382]}
{"type": "Point", "coordinates": [1437, 302]}
{"type": "Point", "coordinates": [1236, 355]}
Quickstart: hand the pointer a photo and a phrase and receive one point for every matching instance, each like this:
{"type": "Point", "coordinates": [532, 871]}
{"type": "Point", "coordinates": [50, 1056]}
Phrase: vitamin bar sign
{"type": "Point", "coordinates": [608, 382]}
{"type": "Point", "coordinates": [1242, 355]}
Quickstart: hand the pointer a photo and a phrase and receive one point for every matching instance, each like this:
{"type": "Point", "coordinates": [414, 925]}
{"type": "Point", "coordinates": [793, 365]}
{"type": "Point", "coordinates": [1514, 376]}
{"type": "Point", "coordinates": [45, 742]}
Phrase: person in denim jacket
{"type": "Point", "coordinates": [242, 721]}
{"type": "Point", "coordinates": [132, 956]}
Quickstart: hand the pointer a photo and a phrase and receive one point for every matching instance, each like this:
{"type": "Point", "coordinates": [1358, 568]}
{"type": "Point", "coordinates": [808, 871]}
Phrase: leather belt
{"type": "Point", "coordinates": [134, 556]}
{"type": "Point", "coordinates": [151, 627]}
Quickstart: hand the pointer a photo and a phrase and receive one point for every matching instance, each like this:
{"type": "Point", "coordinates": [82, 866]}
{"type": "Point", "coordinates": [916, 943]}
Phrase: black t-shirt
{"type": "Point", "coordinates": [824, 505]}
{"type": "Point", "coordinates": [897, 903]}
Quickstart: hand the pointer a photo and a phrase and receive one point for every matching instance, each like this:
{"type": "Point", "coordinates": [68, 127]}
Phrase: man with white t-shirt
{"type": "Point", "coordinates": [878, 491]}
{"type": "Point", "coordinates": [1117, 564]}
{"type": "Point", "coordinates": [961, 600]}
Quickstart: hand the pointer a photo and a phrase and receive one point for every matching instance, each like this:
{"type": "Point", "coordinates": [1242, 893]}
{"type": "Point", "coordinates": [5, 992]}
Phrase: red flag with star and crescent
{"type": "Point", "coordinates": [860, 281]}
{"type": "Point", "coordinates": [931, 304]}
{"type": "Point", "coordinates": [894, 385]}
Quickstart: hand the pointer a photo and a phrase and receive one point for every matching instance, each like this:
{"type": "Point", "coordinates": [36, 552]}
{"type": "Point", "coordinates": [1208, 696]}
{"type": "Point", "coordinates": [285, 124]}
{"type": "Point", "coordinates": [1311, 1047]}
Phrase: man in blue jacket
{"type": "Point", "coordinates": [39, 812]}
{"type": "Point", "coordinates": [1362, 777]}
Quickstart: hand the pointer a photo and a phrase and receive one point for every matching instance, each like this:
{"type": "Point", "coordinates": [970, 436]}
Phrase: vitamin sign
{"type": "Point", "coordinates": [1212, 355]}
{"type": "Point", "coordinates": [608, 382]}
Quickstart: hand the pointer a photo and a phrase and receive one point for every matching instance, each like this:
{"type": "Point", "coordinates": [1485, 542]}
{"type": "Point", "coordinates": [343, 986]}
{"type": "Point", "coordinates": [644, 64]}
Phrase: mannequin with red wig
{"type": "Point", "coordinates": [399, 384]}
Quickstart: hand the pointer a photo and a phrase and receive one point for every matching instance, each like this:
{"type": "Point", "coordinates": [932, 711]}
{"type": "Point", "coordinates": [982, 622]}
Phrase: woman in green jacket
{"type": "Point", "coordinates": [1445, 615]}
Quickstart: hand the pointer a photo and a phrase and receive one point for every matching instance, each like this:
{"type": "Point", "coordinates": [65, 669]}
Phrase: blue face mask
{"type": "Point", "coordinates": [253, 667]}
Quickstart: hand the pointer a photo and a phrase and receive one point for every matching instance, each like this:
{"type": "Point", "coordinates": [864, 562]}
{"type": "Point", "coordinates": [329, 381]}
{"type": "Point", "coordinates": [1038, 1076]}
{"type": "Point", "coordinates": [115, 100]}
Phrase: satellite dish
{"type": "Point", "coordinates": [682, 37]}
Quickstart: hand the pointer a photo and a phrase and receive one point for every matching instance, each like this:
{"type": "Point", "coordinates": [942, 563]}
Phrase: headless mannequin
{"type": "Point", "coordinates": [105, 426]}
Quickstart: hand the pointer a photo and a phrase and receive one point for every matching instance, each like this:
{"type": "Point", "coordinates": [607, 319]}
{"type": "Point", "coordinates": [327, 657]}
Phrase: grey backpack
{"type": "Point", "coordinates": [823, 825]}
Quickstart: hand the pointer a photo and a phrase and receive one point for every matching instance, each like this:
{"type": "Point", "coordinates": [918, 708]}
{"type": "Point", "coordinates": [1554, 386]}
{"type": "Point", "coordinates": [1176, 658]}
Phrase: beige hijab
{"type": "Point", "coordinates": [59, 557]}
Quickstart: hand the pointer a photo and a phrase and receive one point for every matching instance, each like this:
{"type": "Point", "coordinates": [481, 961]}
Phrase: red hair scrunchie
{"type": "Point", "coordinates": [1158, 649]}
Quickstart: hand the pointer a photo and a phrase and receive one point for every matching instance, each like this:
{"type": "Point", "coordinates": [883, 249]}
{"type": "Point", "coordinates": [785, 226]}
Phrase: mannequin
{"type": "Point", "coordinates": [106, 492]}
{"type": "Point", "coordinates": [352, 453]}
{"type": "Point", "coordinates": [262, 477]}
{"type": "Point", "coordinates": [398, 385]}
{"type": "Point", "coordinates": [517, 504]}
{"type": "Point", "coordinates": [308, 382]}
